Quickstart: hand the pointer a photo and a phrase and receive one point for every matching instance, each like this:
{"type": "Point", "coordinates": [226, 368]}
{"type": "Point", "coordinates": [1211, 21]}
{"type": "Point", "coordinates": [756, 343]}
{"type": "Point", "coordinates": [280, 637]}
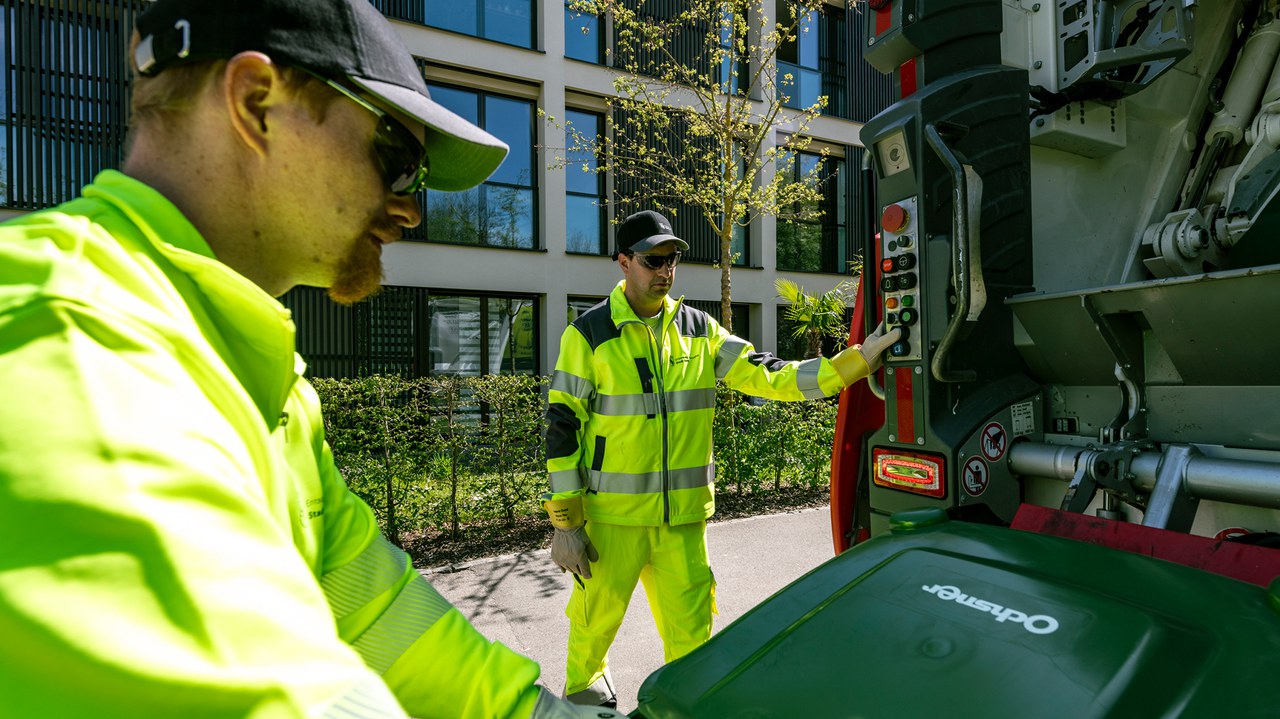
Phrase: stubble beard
{"type": "Point", "coordinates": [359, 274]}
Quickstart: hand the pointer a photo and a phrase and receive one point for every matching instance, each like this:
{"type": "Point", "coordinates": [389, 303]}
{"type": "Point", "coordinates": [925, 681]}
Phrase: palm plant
{"type": "Point", "coordinates": [814, 317]}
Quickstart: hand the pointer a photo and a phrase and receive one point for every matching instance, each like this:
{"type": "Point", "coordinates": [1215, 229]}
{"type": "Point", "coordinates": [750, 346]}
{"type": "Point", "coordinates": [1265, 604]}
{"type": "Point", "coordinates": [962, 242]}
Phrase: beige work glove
{"type": "Point", "coordinates": [854, 363]}
{"type": "Point", "coordinates": [571, 548]}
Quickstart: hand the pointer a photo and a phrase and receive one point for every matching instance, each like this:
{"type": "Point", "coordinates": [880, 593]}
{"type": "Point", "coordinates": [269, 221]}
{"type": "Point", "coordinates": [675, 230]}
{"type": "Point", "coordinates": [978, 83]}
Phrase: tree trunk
{"type": "Point", "coordinates": [815, 345]}
{"type": "Point", "coordinates": [726, 264]}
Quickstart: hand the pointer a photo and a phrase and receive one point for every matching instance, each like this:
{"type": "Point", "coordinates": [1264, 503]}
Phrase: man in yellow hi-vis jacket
{"type": "Point", "coordinates": [175, 539]}
{"type": "Point", "coordinates": [629, 449]}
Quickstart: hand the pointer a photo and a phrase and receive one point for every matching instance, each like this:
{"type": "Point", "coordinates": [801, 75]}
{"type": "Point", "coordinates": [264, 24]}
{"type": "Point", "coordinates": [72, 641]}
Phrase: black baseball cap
{"type": "Point", "coordinates": [336, 39]}
{"type": "Point", "coordinates": [644, 231]}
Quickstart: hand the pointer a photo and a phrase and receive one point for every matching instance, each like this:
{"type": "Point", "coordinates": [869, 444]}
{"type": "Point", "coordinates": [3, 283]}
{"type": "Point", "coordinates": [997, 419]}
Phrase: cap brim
{"type": "Point", "coordinates": [462, 155]}
{"type": "Point", "coordinates": [653, 241]}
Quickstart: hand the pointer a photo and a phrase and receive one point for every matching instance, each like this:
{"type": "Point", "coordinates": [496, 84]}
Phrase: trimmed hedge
{"type": "Point", "coordinates": [442, 453]}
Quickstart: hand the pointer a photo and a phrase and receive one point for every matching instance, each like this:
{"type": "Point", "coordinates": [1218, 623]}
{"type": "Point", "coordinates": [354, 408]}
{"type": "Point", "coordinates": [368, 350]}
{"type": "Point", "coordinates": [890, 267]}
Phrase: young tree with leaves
{"type": "Point", "coordinates": [698, 109]}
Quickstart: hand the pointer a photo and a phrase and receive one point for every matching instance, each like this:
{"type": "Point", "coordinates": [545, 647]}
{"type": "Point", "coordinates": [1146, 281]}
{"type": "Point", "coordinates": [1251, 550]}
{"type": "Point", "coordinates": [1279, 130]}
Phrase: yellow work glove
{"type": "Point", "coordinates": [854, 363]}
{"type": "Point", "coordinates": [571, 548]}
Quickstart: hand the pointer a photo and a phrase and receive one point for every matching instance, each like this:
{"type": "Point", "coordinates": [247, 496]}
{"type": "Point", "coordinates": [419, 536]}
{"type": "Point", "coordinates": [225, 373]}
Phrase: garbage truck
{"type": "Point", "coordinates": [1061, 494]}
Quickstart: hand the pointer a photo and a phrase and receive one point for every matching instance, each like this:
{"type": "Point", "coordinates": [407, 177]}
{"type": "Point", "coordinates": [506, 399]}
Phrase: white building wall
{"type": "Point", "coordinates": [550, 273]}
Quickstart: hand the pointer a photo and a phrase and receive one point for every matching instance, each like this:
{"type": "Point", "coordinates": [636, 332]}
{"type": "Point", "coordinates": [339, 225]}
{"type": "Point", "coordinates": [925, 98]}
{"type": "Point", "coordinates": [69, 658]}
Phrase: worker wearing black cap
{"type": "Point", "coordinates": [629, 449]}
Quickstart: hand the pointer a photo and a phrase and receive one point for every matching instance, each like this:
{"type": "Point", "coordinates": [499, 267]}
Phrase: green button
{"type": "Point", "coordinates": [908, 300]}
{"type": "Point", "coordinates": [913, 519]}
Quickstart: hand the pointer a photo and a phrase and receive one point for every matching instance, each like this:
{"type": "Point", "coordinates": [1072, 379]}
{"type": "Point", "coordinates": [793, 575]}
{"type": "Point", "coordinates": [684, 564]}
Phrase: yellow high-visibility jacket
{"type": "Point", "coordinates": [629, 412]}
{"type": "Point", "coordinates": [175, 540]}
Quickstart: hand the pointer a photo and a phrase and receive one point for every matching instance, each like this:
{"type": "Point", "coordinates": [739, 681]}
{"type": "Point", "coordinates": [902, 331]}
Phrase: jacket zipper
{"type": "Point", "coordinates": [658, 377]}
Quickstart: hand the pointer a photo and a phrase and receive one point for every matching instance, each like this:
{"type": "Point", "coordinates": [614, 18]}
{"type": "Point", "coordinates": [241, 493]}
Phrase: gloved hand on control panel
{"type": "Point", "coordinates": [859, 361]}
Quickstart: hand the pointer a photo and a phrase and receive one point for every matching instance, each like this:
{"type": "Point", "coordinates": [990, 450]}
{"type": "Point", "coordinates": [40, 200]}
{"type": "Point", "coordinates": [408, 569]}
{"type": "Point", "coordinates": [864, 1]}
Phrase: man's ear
{"type": "Point", "coordinates": [251, 86]}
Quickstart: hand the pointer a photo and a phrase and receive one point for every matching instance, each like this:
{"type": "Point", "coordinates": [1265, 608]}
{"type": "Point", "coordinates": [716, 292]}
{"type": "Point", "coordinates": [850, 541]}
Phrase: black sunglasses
{"type": "Point", "coordinates": [401, 157]}
{"type": "Point", "coordinates": [657, 262]}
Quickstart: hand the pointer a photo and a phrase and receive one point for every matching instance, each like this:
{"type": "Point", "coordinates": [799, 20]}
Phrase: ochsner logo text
{"type": "Point", "coordinates": [1036, 623]}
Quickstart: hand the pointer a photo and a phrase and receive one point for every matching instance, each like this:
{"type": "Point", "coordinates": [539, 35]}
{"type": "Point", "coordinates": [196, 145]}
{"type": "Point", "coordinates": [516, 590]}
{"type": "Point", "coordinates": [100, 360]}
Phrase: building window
{"type": "Point", "coordinates": [799, 58]}
{"type": "Point", "coordinates": [506, 21]}
{"type": "Point", "coordinates": [501, 212]}
{"type": "Point", "coordinates": [412, 332]}
{"type": "Point", "coordinates": [482, 334]}
{"type": "Point", "coordinates": [584, 189]}
{"type": "Point", "coordinates": [816, 58]}
{"type": "Point", "coordinates": [582, 37]}
{"type": "Point", "coordinates": [579, 304]}
{"type": "Point", "coordinates": [809, 241]}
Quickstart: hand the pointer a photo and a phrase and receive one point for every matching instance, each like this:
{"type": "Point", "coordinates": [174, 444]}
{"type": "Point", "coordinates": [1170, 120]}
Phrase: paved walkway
{"type": "Point", "coordinates": [519, 599]}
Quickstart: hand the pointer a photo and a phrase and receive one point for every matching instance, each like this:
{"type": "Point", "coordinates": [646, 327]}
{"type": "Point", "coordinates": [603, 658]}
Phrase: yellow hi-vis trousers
{"type": "Point", "coordinates": [672, 563]}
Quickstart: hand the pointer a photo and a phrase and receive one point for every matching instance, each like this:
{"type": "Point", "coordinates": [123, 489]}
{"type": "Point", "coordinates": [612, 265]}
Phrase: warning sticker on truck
{"type": "Point", "coordinates": [1024, 419]}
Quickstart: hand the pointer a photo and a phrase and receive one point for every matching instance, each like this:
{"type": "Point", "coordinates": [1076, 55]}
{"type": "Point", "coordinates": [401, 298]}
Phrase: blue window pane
{"type": "Point", "coordinates": [461, 102]}
{"type": "Point", "coordinates": [738, 245]}
{"type": "Point", "coordinates": [807, 37]}
{"type": "Point", "coordinates": [456, 15]}
{"type": "Point", "coordinates": [580, 168]}
{"type": "Point", "coordinates": [583, 224]}
{"type": "Point", "coordinates": [453, 217]}
{"type": "Point", "coordinates": [581, 36]}
{"type": "Point", "coordinates": [509, 217]}
{"type": "Point", "coordinates": [509, 21]}
{"type": "Point", "coordinates": [512, 122]}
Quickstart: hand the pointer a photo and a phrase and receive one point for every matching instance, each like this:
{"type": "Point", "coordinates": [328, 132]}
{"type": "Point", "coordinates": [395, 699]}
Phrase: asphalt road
{"type": "Point", "coordinates": [519, 599]}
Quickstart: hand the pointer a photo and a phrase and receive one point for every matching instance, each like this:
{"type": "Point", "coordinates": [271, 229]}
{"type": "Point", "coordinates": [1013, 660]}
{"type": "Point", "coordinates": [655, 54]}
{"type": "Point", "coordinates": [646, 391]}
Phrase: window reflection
{"type": "Point", "coordinates": [502, 211]}
{"type": "Point", "coordinates": [506, 21]}
{"type": "Point", "coordinates": [475, 335]}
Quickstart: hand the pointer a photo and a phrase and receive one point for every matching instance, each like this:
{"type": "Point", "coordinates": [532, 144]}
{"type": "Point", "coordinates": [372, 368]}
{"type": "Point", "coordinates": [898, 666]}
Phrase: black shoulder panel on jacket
{"type": "Point", "coordinates": [596, 324]}
{"type": "Point", "coordinates": [691, 322]}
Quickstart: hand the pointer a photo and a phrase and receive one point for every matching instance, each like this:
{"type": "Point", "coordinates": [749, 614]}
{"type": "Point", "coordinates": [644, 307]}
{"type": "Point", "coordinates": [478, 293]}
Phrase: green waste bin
{"type": "Point", "coordinates": [950, 619]}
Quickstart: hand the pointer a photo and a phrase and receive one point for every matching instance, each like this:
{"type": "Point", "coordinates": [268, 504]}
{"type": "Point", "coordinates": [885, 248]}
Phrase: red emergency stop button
{"type": "Point", "coordinates": [894, 218]}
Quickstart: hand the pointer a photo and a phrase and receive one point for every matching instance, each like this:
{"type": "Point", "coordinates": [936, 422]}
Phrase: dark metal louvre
{"type": "Point", "coordinates": [384, 335]}
{"type": "Point", "coordinates": [870, 91]}
{"type": "Point", "coordinates": [833, 41]}
{"type": "Point", "coordinates": [687, 45]}
{"type": "Point", "coordinates": [410, 10]}
{"type": "Point", "coordinates": [66, 104]}
{"type": "Point", "coordinates": [631, 195]}
{"type": "Point", "coordinates": [741, 315]}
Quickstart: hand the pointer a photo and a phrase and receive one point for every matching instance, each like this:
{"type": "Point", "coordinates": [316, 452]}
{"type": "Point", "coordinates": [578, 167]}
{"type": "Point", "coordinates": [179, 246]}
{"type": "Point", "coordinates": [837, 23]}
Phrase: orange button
{"type": "Point", "coordinates": [894, 218]}
{"type": "Point", "coordinates": [891, 303]}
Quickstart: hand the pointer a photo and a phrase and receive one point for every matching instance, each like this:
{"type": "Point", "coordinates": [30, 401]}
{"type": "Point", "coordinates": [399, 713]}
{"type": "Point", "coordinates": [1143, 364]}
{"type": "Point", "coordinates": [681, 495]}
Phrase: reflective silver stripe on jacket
{"type": "Point", "coordinates": [567, 479]}
{"type": "Point", "coordinates": [370, 699]}
{"type": "Point", "coordinates": [353, 585]}
{"type": "Point", "coordinates": [409, 617]}
{"type": "Point", "coordinates": [572, 384]}
{"type": "Point", "coordinates": [807, 378]}
{"type": "Point", "coordinates": [728, 354]}
{"type": "Point", "coordinates": [633, 405]}
{"type": "Point", "coordinates": [651, 482]}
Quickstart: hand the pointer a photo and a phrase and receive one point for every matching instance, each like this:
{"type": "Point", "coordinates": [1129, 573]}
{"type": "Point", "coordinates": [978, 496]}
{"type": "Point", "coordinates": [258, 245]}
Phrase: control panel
{"type": "Point", "coordinates": [900, 277]}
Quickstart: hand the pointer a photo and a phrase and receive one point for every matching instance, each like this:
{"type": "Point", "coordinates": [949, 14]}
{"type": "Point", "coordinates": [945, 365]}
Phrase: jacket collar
{"type": "Point", "coordinates": [620, 309]}
{"type": "Point", "coordinates": [254, 330]}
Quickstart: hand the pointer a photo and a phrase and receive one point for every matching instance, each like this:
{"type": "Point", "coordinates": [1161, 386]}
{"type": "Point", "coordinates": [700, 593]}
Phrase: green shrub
{"type": "Point", "coordinates": [441, 453]}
